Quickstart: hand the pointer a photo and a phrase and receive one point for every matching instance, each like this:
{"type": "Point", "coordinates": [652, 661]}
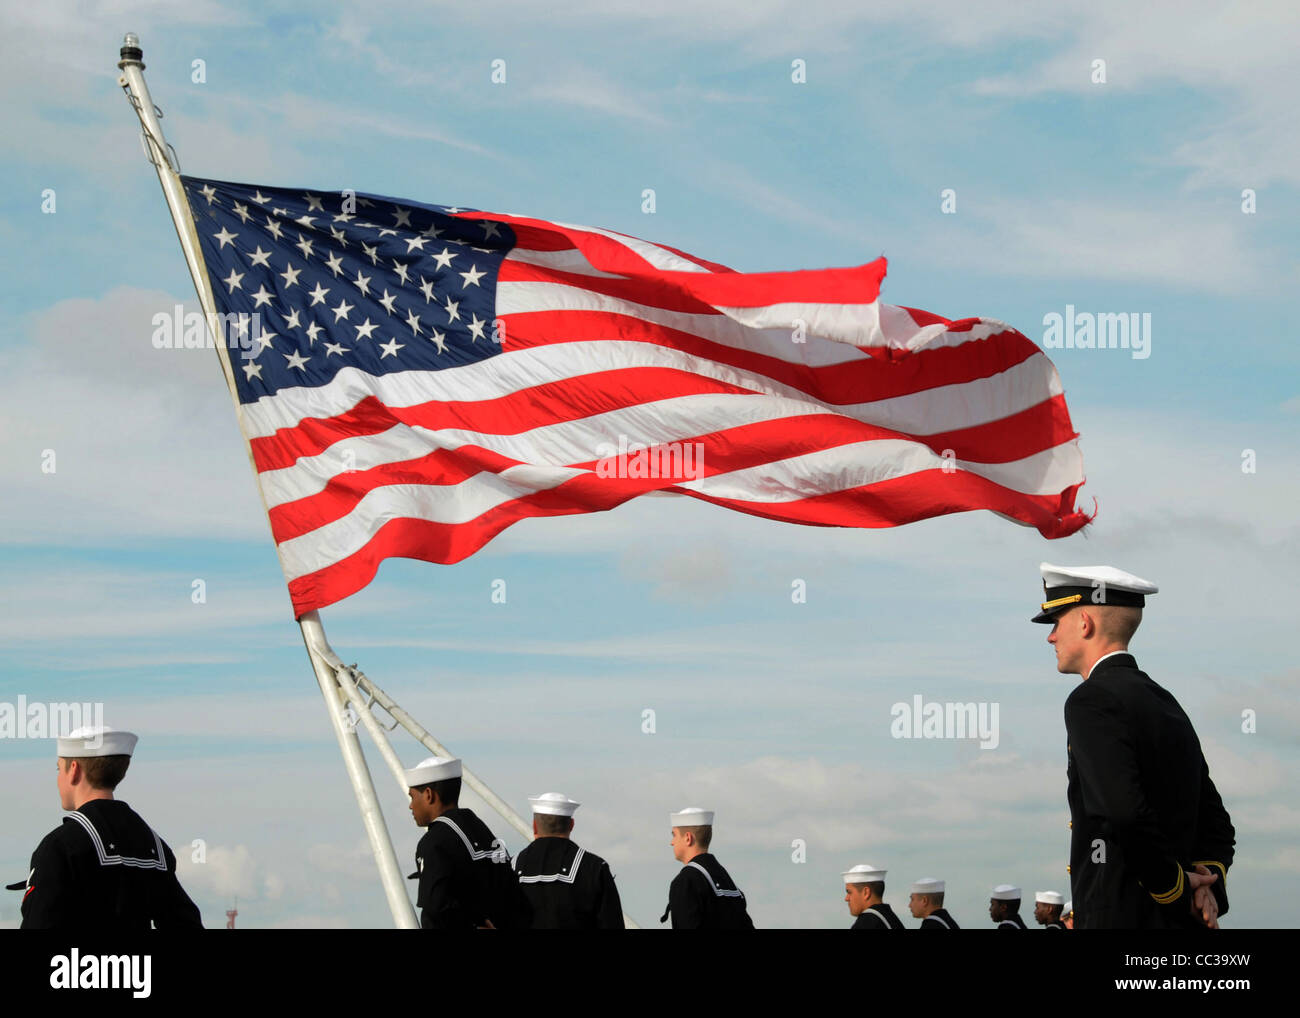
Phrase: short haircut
{"type": "Point", "coordinates": [936, 897]}
{"type": "Point", "coordinates": [549, 823]}
{"type": "Point", "coordinates": [104, 772]}
{"type": "Point", "coordinates": [876, 887]}
{"type": "Point", "coordinates": [703, 835]}
{"type": "Point", "coordinates": [1012, 904]}
{"type": "Point", "coordinates": [1119, 622]}
{"type": "Point", "coordinates": [447, 790]}
{"type": "Point", "coordinates": [1054, 910]}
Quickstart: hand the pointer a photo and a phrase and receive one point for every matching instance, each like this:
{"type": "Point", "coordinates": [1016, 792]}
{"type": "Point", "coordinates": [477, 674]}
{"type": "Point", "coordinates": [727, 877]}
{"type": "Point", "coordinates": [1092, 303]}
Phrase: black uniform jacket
{"type": "Point", "coordinates": [1055, 924]}
{"type": "Point", "coordinates": [568, 887]}
{"type": "Point", "coordinates": [704, 897]}
{"type": "Point", "coordinates": [104, 868]}
{"type": "Point", "coordinates": [1142, 806]}
{"type": "Point", "coordinates": [465, 875]}
{"type": "Point", "coordinates": [939, 919]}
{"type": "Point", "coordinates": [878, 917]}
{"type": "Point", "coordinates": [1012, 922]}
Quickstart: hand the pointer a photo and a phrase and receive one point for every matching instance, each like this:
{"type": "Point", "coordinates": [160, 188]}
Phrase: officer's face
{"type": "Point", "coordinates": [421, 809]}
{"type": "Point", "coordinates": [856, 895]}
{"type": "Point", "coordinates": [916, 905]}
{"type": "Point", "coordinates": [1066, 638]}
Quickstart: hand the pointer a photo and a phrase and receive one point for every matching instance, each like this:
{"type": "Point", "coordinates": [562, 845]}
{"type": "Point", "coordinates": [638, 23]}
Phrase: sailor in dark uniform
{"type": "Point", "coordinates": [104, 868]}
{"type": "Point", "coordinates": [1067, 916]}
{"type": "Point", "coordinates": [926, 904]}
{"type": "Point", "coordinates": [1150, 840]}
{"type": "Point", "coordinates": [569, 888]}
{"type": "Point", "coordinates": [1047, 910]}
{"type": "Point", "coordinates": [864, 887]}
{"type": "Point", "coordinates": [1004, 908]}
{"type": "Point", "coordinates": [466, 880]}
{"type": "Point", "coordinates": [702, 896]}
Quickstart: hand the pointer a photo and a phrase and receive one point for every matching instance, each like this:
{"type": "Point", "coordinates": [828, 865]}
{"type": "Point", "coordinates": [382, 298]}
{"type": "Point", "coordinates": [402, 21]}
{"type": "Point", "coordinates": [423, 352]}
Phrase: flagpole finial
{"type": "Point", "coordinates": [131, 52]}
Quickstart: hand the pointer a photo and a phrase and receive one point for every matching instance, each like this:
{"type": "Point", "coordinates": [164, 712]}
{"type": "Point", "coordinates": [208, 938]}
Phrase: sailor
{"type": "Point", "coordinates": [1048, 906]}
{"type": "Point", "coordinates": [1067, 915]}
{"type": "Point", "coordinates": [702, 896]}
{"type": "Point", "coordinates": [864, 888]}
{"type": "Point", "coordinates": [926, 904]}
{"type": "Point", "coordinates": [1004, 908]}
{"type": "Point", "coordinates": [1150, 840]}
{"type": "Point", "coordinates": [103, 868]}
{"type": "Point", "coordinates": [569, 888]}
{"type": "Point", "coordinates": [466, 880]}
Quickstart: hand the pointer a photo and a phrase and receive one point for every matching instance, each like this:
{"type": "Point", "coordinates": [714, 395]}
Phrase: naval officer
{"type": "Point", "coordinates": [1047, 910]}
{"type": "Point", "coordinates": [926, 904]}
{"type": "Point", "coordinates": [466, 880]}
{"type": "Point", "coordinates": [568, 887]}
{"type": "Point", "coordinates": [103, 868]}
{"type": "Point", "coordinates": [702, 896]}
{"type": "Point", "coordinates": [864, 889]}
{"type": "Point", "coordinates": [1151, 842]}
{"type": "Point", "coordinates": [1004, 908]}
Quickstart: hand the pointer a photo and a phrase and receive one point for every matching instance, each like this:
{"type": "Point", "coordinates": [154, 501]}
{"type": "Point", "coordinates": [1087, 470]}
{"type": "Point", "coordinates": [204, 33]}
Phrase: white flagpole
{"type": "Point", "coordinates": [132, 81]}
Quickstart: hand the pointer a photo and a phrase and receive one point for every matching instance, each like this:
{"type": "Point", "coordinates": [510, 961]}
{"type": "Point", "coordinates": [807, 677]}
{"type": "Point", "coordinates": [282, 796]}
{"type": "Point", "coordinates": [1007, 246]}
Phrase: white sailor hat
{"type": "Point", "coordinates": [1049, 898]}
{"type": "Point", "coordinates": [1069, 907]}
{"type": "Point", "coordinates": [1005, 892]}
{"type": "Point", "coordinates": [554, 803]}
{"type": "Point", "coordinates": [863, 873]}
{"type": "Point", "coordinates": [96, 740]}
{"type": "Point", "coordinates": [1066, 586]}
{"type": "Point", "coordinates": [692, 816]}
{"type": "Point", "coordinates": [928, 885]}
{"type": "Point", "coordinates": [431, 769]}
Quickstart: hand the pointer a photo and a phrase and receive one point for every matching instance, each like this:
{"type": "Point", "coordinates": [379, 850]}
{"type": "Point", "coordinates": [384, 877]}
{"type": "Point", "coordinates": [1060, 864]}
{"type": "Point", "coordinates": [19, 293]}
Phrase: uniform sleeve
{"type": "Point", "coordinates": [685, 902]}
{"type": "Point", "coordinates": [1102, 744]}
{"type": "Point", "coordinates": [48, 900]}
{"type": "Point", "coordinates": [440, 877]}
{"type": "Point", "coordinates": [609, 909]}
{"type": "Point", "coordinates": [1215, 837]}
{"type": "Point", "coordinates": [174, 909]}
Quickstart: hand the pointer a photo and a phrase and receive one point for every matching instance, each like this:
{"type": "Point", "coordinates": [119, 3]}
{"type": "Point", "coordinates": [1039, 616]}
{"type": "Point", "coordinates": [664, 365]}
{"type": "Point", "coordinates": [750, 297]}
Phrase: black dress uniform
{"type": "Point", "coordinates": [1055, 924]}
{"type": "Point", "coordinates": [568, 887]}
{"type": "Point", "coordinates": [465, 875]}
{"type": "Point", "coordinates": [105, 869]}
{"type": "Point", "coordinates": [1139, 787]}
{"type": "Point", "coordinates": [1012, 922]}
{"type": "Point", "coordinates": [878, 917]}
{"type": "Point", "coordinates": [939, 919]}
{"type": "Point", "coordinates": [704, 897]}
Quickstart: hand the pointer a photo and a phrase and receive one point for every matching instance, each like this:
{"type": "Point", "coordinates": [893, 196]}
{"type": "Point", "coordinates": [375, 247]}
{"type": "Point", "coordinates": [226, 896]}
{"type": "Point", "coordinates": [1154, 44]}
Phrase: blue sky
{"type": "Point", "coordinates": [1115, 197]}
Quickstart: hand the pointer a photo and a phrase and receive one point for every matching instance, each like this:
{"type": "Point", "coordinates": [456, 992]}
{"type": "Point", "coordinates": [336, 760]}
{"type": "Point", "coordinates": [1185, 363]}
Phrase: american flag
{"type": "Point", "coordinates": [419, 377]}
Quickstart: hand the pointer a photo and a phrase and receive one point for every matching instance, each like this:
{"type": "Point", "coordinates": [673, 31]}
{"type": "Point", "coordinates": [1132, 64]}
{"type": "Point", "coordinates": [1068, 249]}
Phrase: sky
{"type": "Point", "coordinates": [1170, 188]}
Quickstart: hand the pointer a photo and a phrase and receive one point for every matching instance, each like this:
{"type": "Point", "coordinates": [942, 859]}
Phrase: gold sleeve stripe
{"type": "Point", "coordinates": [1060, 601]}
{"type": "Point", "coordinates": [1169, 897]}
{"type": "Point", "coordinates": [1223, 870]}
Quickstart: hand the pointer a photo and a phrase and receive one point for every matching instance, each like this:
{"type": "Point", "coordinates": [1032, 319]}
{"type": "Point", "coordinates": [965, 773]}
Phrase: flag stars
{"type": "Point", "coordinates": [472, 276]}
{"type": "Point", "coordinates": [335, 263]}
{"type": "Point", "coordinates": [313, 330]}
{"type": "Point", "coordinates": [225, 237]}
{"type": "Point", "coordinates": [252, 370]}
{"type": "Point", "coordinates": [453, 310]}
{"type": "Point", "coordinates": [340, 236]}
{"type": "Point", "coordinates": [290, 275]}
{"type": "Point", "coordinates": [333, 348]}
{"type": "Point", "coordinates": [401, 217]}
{"type": "Point", "coordinates": [444, 260]}
{"type": "Point", "coordinates": [318, 295]}
{"type": "Point", "coordinates": [260, 257]}
{"type": "Point", "coordinates": [431, 231]}
{"type": "Point", "coordinates": [313, 203]}
{"type": "Point", "coordinates": [344, 217]}
{"type": "Point", "coordinates": [273, 227]}
{"type": "Point", "coordinates": [262, 297]}
{"type": "Point", "coordinates": [296, 360]}
{"type": "Point", "coordinates": [292, 321]}
{"type": "Point", "coordinates": [362, 283]}
{"type": "Point", "coordinates": [439, 340]}
{"type": "Point", "coordinates": [304, 245]}
{"type": "Point", "coordinates": [390, 348]}
{"type": "Point", "coordinates": [263, 341]}
{"type": "Point", "coordinates": [372, 253]}
{"type": "Point", "coordinates": [306, 221]}
{"type": "Point", "coordinates": [491, 229]}
{"type": "Point", "coordinates": [414, 322]}
{"type": "Point", "coordinates": [388, 300]}
{"type": "Point", "coordinates": [426, 288]}
{"type": "Point", "coordinates": [260, 198]}
{"type": "Point", "coordinates": [209, 192]}
{"type": "Point", "coordinates": [415, 243]}
{"type": "Point", "coordinates": [341, 312]}
{"type": "Point", "coordinates": [366, 328]}
{"type": "Point", "coordinates": [400, 269]}
{"type": "Point", "coordinates": [232, 280]}
{"type": "Point", "coordinates": [476, 328]}
{"type": "Point", "coordinates": [242, 212]}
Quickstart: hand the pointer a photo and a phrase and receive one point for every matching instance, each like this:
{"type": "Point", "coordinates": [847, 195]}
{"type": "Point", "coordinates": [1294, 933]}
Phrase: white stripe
{"type": "Point", "coordinates": [469, 846]}
{"type": "Point", "coordinates": [939, 920]}
{"type": "Point", "coordinates": [881, 916]}
{"type": "Point", "coordinates": [716, 889]}
{"type": "Point", "coordinates": [775, 482]}
{"type": "Point", "coordinates": [548, 878]}
{"type": "Point", "coordinates": [659, 257]}
{"type": "Point", "coordinates": [569, 260]}
{"type": "Point", "coordinates": [120, 860]}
